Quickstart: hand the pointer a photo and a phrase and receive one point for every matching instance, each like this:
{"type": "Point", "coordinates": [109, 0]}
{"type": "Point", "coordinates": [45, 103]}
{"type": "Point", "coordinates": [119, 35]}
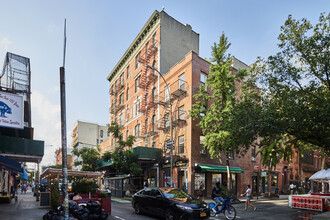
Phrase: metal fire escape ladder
{"type": "Point", "coordinates": [145, 82]}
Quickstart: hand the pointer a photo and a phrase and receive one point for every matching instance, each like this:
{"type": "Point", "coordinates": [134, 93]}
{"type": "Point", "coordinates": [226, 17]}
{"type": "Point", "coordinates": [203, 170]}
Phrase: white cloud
{"type": "Point", "coordinates": [4, 43]}
{"type": "Point", "coordinates": [47, 125]}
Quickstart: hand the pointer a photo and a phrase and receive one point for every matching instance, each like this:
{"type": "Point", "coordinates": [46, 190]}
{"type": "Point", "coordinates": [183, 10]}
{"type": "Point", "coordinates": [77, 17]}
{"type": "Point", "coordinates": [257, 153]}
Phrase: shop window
{"type": "Point", "coordinates": [200, 181]}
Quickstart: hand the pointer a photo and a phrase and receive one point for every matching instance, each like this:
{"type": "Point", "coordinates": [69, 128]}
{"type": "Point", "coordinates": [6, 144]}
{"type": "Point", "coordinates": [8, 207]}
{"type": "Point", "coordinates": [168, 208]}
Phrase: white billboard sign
{"type": "Point", "coordinates": [11, 110]}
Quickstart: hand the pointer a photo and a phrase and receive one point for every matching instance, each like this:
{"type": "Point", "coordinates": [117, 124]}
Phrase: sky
{"type": "Point", "coordinates": [100, 31]}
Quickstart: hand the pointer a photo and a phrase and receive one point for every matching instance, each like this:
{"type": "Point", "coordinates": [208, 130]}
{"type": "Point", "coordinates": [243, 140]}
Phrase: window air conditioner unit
{"type": "Point", "coordinates": [253, 159]}
{"type": "Point", "coordinates": [203, 152]}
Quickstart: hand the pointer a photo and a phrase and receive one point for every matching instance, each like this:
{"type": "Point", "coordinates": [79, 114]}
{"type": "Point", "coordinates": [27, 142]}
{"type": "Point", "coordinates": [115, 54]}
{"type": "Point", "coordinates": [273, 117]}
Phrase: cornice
{"type": "Point", "coordinates": [143, 33]}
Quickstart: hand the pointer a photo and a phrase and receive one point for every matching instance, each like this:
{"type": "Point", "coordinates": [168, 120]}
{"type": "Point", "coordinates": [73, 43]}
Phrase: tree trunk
{"type": "Point", "coordinates": [269, 179]}
{"type": "Point", "coordinates": [228, 175]}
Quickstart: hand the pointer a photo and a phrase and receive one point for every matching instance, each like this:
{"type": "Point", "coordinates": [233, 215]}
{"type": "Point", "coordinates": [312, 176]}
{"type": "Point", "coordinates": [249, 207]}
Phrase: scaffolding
{"type": "Point", "coordinates": [16, 78]}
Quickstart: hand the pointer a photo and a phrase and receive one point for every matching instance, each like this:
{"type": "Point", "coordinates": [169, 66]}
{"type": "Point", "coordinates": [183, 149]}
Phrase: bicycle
{"type": "Point", "coordinates": [228, 210]}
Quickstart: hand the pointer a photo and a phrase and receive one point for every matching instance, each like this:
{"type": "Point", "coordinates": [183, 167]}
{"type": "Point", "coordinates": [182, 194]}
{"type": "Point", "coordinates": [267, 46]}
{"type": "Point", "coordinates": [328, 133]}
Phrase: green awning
{"type": "Point", "coordinates": [217, 169]}
{"type": "Point", "coordinates": [147, 153]}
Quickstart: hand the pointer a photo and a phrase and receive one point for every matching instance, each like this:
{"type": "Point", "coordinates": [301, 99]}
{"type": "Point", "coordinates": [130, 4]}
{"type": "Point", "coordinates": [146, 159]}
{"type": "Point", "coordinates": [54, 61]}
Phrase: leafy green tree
{"type": "Point", "coordinates": [124, 161]}
{"type": "Point", "coordinates": [296, 84]}
{"type": "Point", "coordinates": [89, 157]}
{"type": "Point", "coordinates": [214, 106]}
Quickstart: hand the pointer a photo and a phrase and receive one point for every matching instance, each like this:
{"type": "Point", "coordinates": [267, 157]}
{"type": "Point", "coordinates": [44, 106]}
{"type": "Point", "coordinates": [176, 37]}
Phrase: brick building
{"type": "Point", "coordinates": [151, 93]}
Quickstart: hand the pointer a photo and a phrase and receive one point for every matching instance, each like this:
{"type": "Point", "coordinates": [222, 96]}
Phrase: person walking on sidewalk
{"type": "Point", "coordinates": [248, 198]}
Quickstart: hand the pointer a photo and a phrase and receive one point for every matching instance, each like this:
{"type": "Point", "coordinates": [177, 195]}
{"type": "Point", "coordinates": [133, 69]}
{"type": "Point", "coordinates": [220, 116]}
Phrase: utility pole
{"type": "Point", "coordinates": [63, 132]}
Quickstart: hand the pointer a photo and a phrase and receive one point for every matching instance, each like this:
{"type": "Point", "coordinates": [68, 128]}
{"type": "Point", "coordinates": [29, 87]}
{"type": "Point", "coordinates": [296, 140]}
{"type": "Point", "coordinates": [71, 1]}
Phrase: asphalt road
{"type": "Point", "coordinates": [266, 209]}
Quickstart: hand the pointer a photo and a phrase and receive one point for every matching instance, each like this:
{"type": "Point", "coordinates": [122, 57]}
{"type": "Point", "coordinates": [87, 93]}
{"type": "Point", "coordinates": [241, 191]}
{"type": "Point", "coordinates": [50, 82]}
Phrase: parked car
{"type": "Point", "coordinates": [171, 203]}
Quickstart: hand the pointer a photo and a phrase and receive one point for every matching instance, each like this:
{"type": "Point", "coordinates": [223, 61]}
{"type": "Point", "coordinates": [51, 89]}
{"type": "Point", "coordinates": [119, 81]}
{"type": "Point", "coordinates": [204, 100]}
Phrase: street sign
{"type": "Point", "coordinates": [170, 142]}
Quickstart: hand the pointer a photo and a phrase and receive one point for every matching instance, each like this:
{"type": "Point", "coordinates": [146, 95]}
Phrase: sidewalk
{"type": "Point", "coordinates": [26, 208]}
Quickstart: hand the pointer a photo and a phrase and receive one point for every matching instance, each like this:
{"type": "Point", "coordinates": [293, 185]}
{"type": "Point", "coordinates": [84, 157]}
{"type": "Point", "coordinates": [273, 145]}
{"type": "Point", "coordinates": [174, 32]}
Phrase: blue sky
{"type": "Point", "coordinates": [100, 31]}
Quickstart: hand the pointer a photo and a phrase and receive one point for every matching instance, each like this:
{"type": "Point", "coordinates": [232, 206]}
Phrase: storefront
{"type": "Point", "coordinates": [207, 175]}
{"type": "Point", "coordinates": [180, 174]}
{"type": "Point", "coordinates": [265, 180]}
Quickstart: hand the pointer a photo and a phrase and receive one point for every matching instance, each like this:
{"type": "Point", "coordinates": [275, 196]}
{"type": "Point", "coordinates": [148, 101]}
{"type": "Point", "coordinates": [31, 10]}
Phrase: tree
{"type": "Point", "coordinates": [89, 157]}
{"type": "Point", "coordinates": [214, 107]}
{"type": "Point", "coordinates": [296, 84]}
{"type": "Point", "coordinates": [124, 161]}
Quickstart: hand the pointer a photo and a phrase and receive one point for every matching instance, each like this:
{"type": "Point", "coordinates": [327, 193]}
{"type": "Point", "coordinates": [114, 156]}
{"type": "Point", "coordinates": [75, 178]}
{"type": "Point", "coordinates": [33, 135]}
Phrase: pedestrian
{"type": "Point", "coordinates": [217, 196]}
{"type": "Point", "coordinates": [145, 184]}
{"type": "Point", "coordinates": [248, 198]}
{"type": "Point", "coordinates": [291, 188]}
{"type": "Point", "coordinates": [23, 188]}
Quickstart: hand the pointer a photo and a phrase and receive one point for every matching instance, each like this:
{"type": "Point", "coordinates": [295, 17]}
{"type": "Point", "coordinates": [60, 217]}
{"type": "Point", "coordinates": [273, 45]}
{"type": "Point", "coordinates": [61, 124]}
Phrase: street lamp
{"type": "Point", "coordinates": [171, 125]}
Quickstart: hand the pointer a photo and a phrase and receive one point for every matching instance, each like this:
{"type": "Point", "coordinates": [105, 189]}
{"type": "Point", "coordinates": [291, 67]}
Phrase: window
{"type": "Point", "coordinates": [127, 134]}
{"type": "Point", "coordinates": [203, 78]}
{"type": "Point", "coordinates": [111, 89]}
{"type": "Point", "coordinates": [120, 122]}
{"type": "Point", "coordinates": [101, 133]}
{"type": "Point", "coordinates": [121, 99]}
{"type": "Point", "coordinates": [154, 39]}
{"type": "Point", "coordinates": [137, 107]}
{"type": "Point", "coordinates": [167, 93]}
{"type": "Point", "coordinates": [137, 58]}
{"type": "Point", "coordinates": [108, 134]}
{"type": "Point", "coordinates": [154, 95]}
{"type": "Point", "coordinates": [154, 68]}
{"type": "Point", "coordinates": [101, 141]}
{"type": "Point", "coordinates": [231, 154]}
{"type": "Point", "coordinates": [127, 114]}
{"type": "Point", "coordinates": [122, 79]}
{"type": "Point", "coordinates": [181, 82]}
{"type": "Point", "coordinates": [127, 72]}
{"type": "Point", "coordinates": [201, 141]}
{"type": "Point", "coordinates": [137, 130]}
{"type": "Point", "coordinates": [253, 151]}
{"type": "Point", "coordinates": [153, 145]}
{"type": "Point", "coordinates": [97, 141]}
{"type": "Point", "coordinates": [153, 123]}
{"type": "Point", "coordinates": [202, 114]}
{"type": "Point", "coordinates": [181, 113]}
{"type": "Point", "coordinates": [137, 83]}
{"type": "Point", "coordinates": [181, 145]}
{"type": "Point", "coordinates": [127, 94]}
{"type": "Point", "coordinates": [167, 120]}
{"type": "Point", "coordinates": [116, 86]}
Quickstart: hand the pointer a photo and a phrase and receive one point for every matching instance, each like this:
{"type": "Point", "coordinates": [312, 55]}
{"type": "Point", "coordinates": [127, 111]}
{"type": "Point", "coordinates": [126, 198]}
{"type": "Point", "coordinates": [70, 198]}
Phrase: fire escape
{"type": "Point", "coordinates": [146, 81]}
{"type": "Point", "coordinates": [170, 102]}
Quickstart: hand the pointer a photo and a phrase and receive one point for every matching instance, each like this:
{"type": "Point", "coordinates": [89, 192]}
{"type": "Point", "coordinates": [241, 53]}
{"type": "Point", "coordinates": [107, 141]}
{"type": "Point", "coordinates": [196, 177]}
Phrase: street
{"type": "Point", "coordinates": [266, 209]}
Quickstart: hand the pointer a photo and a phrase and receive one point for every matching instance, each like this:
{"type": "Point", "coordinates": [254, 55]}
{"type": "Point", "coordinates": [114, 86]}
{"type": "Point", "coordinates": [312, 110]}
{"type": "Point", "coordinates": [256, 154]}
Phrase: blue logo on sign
{"type": "Point", "coordinates": [4, 108]}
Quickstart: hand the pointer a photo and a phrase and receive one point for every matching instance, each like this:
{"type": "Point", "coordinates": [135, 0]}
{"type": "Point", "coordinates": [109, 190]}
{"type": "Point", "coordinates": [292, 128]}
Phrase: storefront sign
{"type": "Point", "coordinates": [178, 163]}
{"type": "Point", "coordinates": [256, 167]}
{"type": "Point", "coordinates": [11, 110]}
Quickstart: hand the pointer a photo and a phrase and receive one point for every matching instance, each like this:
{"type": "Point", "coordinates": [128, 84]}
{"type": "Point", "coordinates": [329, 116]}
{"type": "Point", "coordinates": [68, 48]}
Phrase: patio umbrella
{"type": "Point", "coordinates": [322, 175]}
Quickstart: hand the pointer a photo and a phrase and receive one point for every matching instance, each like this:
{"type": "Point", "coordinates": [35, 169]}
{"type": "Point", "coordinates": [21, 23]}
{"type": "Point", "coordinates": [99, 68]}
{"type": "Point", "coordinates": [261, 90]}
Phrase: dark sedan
{"type": "Point", "coordinates": [171, 203]}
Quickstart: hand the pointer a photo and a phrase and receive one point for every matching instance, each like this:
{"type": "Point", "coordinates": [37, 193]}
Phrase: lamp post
{"type": "Point", "coordinates": [171, 125]}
